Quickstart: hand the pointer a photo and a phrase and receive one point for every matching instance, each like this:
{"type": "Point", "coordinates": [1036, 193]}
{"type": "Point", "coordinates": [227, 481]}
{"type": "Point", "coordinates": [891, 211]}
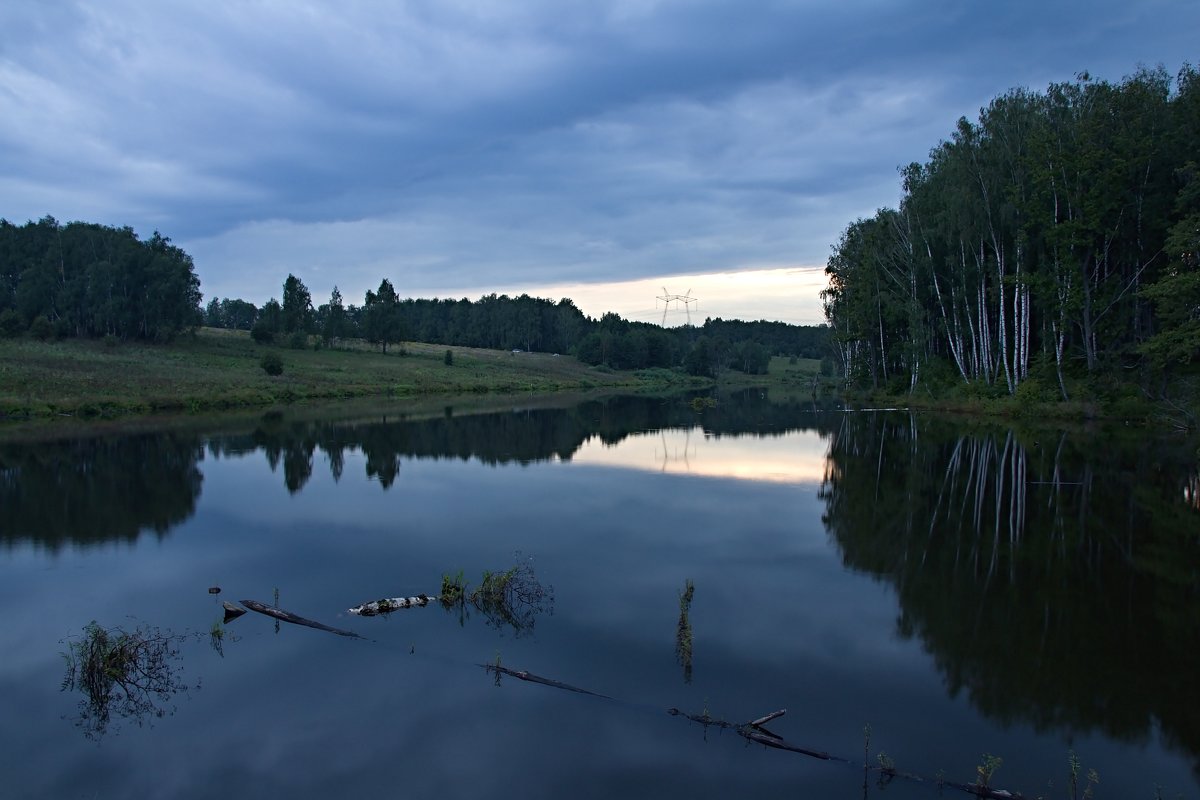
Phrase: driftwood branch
{"type": "Point", "coordinates": [758, 723]}
{"type": "Point", "coordinates": [295, 619]}
{"type": "Point", "coordinates": [232, 611]}
{"type": "Point", "coordinates": [531, 678]}
{"type": "Point", "coordinates": [753, 731]}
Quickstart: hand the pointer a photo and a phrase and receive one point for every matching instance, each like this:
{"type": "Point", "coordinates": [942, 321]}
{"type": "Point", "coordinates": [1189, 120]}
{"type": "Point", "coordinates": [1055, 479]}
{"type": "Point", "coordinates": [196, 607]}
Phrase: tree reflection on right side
{"type": "Point", "coordinates": [1054, 578]}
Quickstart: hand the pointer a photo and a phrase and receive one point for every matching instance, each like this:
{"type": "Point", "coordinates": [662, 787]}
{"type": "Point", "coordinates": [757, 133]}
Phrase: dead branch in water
{"type": "Point", "coordinates": [295, 619]}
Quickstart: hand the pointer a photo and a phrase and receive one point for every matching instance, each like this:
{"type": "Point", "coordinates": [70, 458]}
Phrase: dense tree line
{"type": "Point", "coordinates": [1056, 238]}
{"type": "Point", "coordinates": [523, 323]}
{"type": "Point", "coordinates": [83, 279]}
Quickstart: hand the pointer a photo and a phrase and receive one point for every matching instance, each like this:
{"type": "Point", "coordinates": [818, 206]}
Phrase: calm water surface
{"type": "Point", "coordinates": [961, 591]}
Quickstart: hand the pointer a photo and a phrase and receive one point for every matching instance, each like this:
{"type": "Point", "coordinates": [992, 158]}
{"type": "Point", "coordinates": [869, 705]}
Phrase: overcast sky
{"type": "Point", "coordinates": [601, 150]}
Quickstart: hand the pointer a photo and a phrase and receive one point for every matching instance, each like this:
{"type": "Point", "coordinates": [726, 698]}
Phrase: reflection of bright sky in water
{"type": "Point", "coordinates": [796, 457]}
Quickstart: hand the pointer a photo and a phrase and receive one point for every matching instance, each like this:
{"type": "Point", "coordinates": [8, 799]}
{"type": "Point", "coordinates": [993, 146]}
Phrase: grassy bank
{"type": "Point", "coordinates": [220, 369]}
{"type": "Point", "coordinates": [1176, 409]}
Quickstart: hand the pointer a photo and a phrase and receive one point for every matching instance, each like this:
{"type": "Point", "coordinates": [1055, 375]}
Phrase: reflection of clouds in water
{"type": "Point", "coordinates": [795, 457]}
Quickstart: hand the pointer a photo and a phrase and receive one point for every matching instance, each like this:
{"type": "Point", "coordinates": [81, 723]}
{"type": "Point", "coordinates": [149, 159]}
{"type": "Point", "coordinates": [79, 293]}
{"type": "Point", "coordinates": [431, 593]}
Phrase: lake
{"type": "Point", "coordinates": [928, 591]}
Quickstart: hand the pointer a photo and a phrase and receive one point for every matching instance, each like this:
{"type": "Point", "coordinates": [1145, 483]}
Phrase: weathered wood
{"type": "Point", "coordinates": [758, 723]}
{"type": "Point", "coordinates": [771, 740]}
{"type": "Point", "coordinates": [529, 676]}
{"type": "Point", "coordinates": [754, 732]}
{"type": "Point", "coordinates": [232, 611]}
{"type": "Point", "coordinates": [387, 605]}
{"type": "Point", "coordinates": [295, 619]}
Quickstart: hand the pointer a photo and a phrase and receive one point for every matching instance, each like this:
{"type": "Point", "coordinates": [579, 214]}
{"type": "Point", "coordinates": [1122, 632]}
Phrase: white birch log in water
{"type": "Point", "coordinates": [389, 604]}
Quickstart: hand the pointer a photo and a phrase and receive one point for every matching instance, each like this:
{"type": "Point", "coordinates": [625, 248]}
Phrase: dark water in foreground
{"type": "Point", "coordinates": [962, 591]}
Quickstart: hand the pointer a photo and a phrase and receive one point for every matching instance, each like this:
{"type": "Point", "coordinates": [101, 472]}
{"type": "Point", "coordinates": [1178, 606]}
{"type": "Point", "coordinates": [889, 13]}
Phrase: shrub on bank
{"type": "Point", "coordinates": [272, 364]}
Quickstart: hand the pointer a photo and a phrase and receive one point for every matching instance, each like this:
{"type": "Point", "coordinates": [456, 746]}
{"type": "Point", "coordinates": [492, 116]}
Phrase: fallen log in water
{"type": "Point", "coordinates": [232, 611]}
{"type": "Point", "coordinates": [754, 730]}
{"type": "Point", "coordinates": [529, 676]}
{"type": "Point", "coordinates": [287, 616]}
{"type": "Point", "coordinates": [388, 604]}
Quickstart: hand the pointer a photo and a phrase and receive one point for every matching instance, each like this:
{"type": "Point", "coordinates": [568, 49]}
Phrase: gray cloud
{"type": "Point", "coordinates": [480, 143]}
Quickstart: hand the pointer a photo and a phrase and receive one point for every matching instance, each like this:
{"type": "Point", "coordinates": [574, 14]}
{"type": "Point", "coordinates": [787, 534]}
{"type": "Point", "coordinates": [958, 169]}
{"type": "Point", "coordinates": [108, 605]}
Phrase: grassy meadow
{"type": "Point", "coordinates": [220, 369]}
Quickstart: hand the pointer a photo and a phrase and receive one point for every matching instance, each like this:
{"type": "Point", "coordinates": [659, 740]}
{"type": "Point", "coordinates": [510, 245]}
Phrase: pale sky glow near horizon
{"type": "Point", "coordinates": [784, 295]}
{"type": "Point", "coordinates": [593, 149]}
{"type": "Point", "coordinates": [798, 457]}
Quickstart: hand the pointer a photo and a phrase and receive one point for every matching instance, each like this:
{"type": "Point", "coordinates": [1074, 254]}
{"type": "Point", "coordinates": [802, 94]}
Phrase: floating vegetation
{"type": "Point", "coordinates": [453, 589]}
{"type": "Point", "coordinates": [512, 598]}
{"type": "Point", "coordinates": [985, 770]}
{"type": "Point", "coordinates": [216, 638]}
{"type": "Point", "coordinates": [131, 675]}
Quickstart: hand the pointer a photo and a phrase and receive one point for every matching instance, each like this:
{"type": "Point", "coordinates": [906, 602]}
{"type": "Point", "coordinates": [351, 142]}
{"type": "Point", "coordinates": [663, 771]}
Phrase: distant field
{"type": "Point", "coordinates": [219, 369]}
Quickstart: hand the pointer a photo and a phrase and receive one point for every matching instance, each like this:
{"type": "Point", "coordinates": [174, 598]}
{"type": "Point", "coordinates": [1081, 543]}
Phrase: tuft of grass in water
{"type": "Point", "coordinates": [127, 673]}
{"type": "Point", "coordinates": [216, 638]}
{"type": "Point", "coordinates": [453, 589]}
{"type": "Point", "coordinates": [985, 770]}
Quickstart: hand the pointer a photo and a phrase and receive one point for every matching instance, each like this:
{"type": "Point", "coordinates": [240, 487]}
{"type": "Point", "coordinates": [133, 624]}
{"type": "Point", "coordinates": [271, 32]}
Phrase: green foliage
{"type": "Point", "coordinates": [494, 588]}
{"type": "Point", "coordinates": [10, 323]}
{"type": "Point", "coordinates": [230, 313]}
{"type": "Point", "coordinates": [220, 369]}
{"type": "Point", "coordinates": [41, 329]}
{"type": "Point", "coordinates": [297, 311]}
{"type": "Point", "coordinates": [383, 319]}
{"type": "Point", "coordinates": [1038, 231]}
{"type": "Point", "coordinates": [453, 589]}
{"type": "Point", "coordinates": [298, 340]}
{"type": "Point", "coordinates": [334, 321]}
{"type": "Point", "coordinates": [448, 359]}
{"type": "Point", "coordinates": [127, 673]}
{"type": "Point", "coordinates": [89, 280]}
{"type": "Point", "coordinates": [272, 364]}
{"type": "Point", "coordinates": [1176, 300]}
{"type": "Point", "coordinates": [262, 333]}
{"type": "Point", "coordinates": [510, 599]}
{"type": "Point", "coordinates": [985, 770]}
{"type": "Point", "coordinates": [702, 359]}
{"type": "Point", "coordinates": [270, 316]}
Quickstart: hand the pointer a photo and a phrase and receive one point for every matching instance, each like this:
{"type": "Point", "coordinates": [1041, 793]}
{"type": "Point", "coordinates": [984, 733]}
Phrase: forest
{"type": "Point", "coordinates": [522, 323]}
{"type": "Point", "coordinates": [88, 280]}
{"type": "Point", "coordinates": [1048, 250]}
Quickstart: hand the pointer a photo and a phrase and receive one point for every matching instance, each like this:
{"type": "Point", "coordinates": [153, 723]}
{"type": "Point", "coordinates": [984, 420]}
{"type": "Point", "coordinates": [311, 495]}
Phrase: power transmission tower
{"type": "Point", "coordinates": [686, 299]}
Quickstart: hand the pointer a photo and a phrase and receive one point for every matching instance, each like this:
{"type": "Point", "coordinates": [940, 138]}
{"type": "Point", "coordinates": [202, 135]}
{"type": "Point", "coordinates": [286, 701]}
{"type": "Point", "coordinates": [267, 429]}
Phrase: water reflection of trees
{"type": "Point", "coordinates": [94, 490]}
{"type": "Point", "coordinates": [522, 436]}
{"type": "Point", "coordinates": [111, 488]}
{"type": "Point", "coordinates": [1055, 579]}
